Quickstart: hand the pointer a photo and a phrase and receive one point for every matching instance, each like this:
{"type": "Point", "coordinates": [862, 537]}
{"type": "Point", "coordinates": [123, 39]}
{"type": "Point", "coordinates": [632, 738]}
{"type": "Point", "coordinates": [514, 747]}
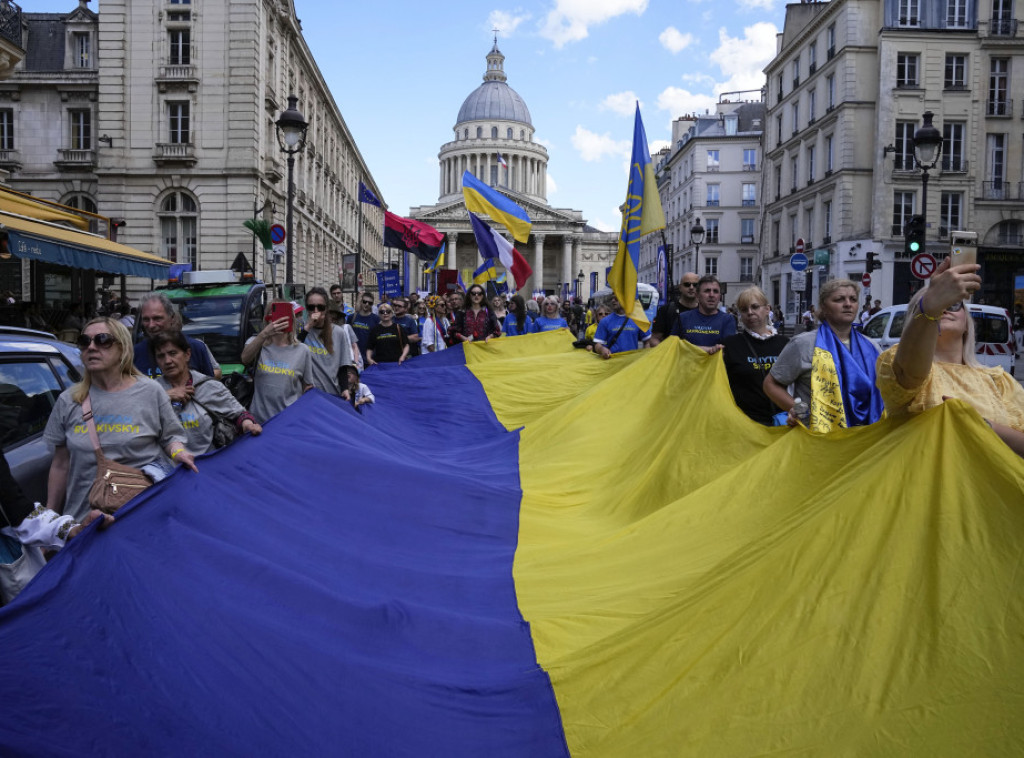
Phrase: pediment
{"type": "Point", "coordinates": [544, 217]}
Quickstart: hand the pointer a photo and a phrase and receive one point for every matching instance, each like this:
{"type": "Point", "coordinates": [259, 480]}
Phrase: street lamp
{"type": "Point", "coordinates": [580, 278]}
{"type": "Point", "coordinates": [697, 238]}
{"type": "Point", "coordinates": [927, 147]}
{"type": "Point", "coordinates": [291, 135]}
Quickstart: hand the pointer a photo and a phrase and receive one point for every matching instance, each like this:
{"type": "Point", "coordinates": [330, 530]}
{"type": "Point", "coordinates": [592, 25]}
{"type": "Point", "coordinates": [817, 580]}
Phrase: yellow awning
{"type": "Point", "coordinates": [22, 205]}
{"type": "Point", "coordinates": [44, 242]}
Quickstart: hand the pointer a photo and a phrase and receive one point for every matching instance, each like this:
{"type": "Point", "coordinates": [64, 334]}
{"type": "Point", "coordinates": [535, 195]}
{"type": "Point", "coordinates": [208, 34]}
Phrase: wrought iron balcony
{"type": "Point", "coordinates": [999, 189]}
{"type": "Point", "coordinates": [1001, 108]}
{"type": "Point", "coordinates": [10, 21]}
{"type": "Point", "coordinates": [953, 165]}
{"type": "Point", "coordinates": [1002, 27]}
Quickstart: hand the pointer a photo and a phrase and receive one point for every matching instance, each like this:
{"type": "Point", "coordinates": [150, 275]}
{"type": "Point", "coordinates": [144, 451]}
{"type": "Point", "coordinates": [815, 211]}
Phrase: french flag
{"type": "Point", "coordinates": [493, 245]}
{"type": "Point", "coordinates": [501, 160]}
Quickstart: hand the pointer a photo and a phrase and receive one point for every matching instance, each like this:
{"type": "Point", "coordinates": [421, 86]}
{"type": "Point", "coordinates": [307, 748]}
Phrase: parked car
{"type": "Point", "coordinates": [995, 343]}
{"type": "Point", "coordinates": [34, 369]}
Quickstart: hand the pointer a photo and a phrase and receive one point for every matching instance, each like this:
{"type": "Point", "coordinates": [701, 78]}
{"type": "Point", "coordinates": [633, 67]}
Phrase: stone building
{"type": "Point", "coordinates": [493, 138]}
{"type": "Point", "coordinates": [163, 115]}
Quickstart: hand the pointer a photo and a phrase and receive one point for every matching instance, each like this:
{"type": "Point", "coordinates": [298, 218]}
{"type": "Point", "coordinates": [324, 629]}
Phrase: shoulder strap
{"type": "Point", "coordinates": [94, 437]}
{"type": "Point", "coordinates": [615, 338]}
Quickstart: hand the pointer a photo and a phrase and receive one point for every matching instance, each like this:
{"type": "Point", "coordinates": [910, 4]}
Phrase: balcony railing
{"type": "Point", "coordinates": [749, 203]}
{"type": "Point", "coordinates": [1001, 108]}
{"type": "Point", "coordinates": [953, 165]}
{"type": "Point", "coordinates": [711, 203]}
{"type": "Point", "coordinates": [999, 27]}
{"type": "Point", "coordinates": [1000, 189]}
{"type": "Point", "coordinates": [75, 160]}
{"type": "Point", "coordinates": [174, 152]}
{"type": "Point", "coordinates": [811, 68]}
{"type": "Point", "coordinates": [1010, 238]}
{"type": "Point", "coordinates": [10, 21]}
{"type": "Point", "coordinates": [750, 167]}
{"type": "Point", "coordinates": [10, 159]}
{"type": "Point", "coordinates": [831, 52]}
{"type": "Point", "coordinates": [903, 162]}
{"type": "Point", "coordinates": [747, 239]}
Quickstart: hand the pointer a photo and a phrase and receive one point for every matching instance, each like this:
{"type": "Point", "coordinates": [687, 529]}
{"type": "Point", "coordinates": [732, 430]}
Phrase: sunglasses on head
{"type": "Point", "coordinates": [103, 339]}
{"type": "Point", "coordinates": [316, 307]}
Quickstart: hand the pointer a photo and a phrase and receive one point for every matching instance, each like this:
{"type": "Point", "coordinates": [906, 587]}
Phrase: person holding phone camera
{"type": "Point", "coordinates": [284, 366]}
{"type": "Point", "coordinates": [935, 359]}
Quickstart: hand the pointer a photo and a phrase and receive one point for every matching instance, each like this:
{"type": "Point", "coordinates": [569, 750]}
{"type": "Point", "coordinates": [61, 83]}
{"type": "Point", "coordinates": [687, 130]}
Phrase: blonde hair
{"type": "Point", "coordinates": [749, 296]}
{"type": "Point", "coordinates": [831, 286]}
{"type": "Point", "coordinates": [969, 357]}
{"type": "Point", "coordinates": [123, 340]}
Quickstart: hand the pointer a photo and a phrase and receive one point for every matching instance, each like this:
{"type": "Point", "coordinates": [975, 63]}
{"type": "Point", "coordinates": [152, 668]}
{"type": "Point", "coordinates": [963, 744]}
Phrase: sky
{"type": "Point", "coordinates": [399, 71]}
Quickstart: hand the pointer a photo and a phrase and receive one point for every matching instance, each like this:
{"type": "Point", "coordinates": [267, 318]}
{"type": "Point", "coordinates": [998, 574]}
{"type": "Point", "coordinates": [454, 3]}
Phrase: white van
{"type": "Point", "coordinates": [647, 294]}
{"type": "Point", "coordinates": [995, 343]}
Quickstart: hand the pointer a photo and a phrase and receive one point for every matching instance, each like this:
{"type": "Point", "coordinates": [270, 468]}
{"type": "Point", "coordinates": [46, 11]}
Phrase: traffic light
{"type": "Point", "coordinates": [873, 262]}
{"type": "Point", "coordinates": [913, 234]}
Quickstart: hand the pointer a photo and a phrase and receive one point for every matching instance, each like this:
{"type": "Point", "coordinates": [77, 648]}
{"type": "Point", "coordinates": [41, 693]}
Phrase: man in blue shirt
{"type": "Point", "coordinates": [362, 321]}
{"type": "Point", "coordinates": [616, 332]}
{"type": "Point", "coordinates": [409, 324]}
{"type": "Point", "coordinates": [157, 314]}
{"type": "Point", "coordinates": [706, 327]}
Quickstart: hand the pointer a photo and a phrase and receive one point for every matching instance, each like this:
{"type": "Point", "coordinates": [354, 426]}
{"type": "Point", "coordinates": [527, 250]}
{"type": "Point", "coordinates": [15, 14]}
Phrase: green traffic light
{"type": "Point", "coordinates": [915, 247]}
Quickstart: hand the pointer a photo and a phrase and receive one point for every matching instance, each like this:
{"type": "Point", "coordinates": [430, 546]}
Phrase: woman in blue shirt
{"type": "Point", "coordinates": [517, 320]}
{"type": "Point", "coordinates": [549, 319]}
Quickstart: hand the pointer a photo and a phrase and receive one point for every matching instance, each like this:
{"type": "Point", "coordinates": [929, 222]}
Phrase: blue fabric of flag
{"type": "Point", "coordinates": [358, 609]}
{"type": "Point", "coordinates": [366, 196]}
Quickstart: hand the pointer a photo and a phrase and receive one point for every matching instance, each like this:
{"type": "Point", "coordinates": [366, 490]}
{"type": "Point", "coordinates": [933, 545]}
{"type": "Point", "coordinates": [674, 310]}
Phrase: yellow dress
{"type": "Point", "coordinates": [994, 393]}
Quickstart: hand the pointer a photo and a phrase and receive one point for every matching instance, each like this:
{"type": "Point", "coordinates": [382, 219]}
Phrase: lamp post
{"type": "Point", "coordinates": [927, 147]}
{"type": "Point", "coordinates": [697, 238]}
{"type": "Point", "coordinates": [291, 135]}
{"type": "Point", "coordinates": [580, 278]}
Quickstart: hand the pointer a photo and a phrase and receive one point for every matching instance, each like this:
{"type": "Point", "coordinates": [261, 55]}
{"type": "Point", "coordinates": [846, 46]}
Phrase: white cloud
{"type": "Point", "coordinates": [545, 142]}
{"type": "Point", "coordinates": [552, 188]}
{"type": "Point", "coordinates": [594, 147]}
{"type": "Point", "coordinates": [657, 145]}
{"type": "Point", "coordinates": [623, 103]}
{"type": "Point", "coordinates": [751, 5]}
{"type": "Point", "coordinates": [505, 22]}
{"type": "Point", "coordinates": [571, 19]}
{"type": "Point", "coordinates": [674, 40]}
{"type": "Point", "coordinates": [603, 225]}
{"type": "Point", "coordinates": [742, 60]}
{"type": "Point", "coordinates": [680, 102]}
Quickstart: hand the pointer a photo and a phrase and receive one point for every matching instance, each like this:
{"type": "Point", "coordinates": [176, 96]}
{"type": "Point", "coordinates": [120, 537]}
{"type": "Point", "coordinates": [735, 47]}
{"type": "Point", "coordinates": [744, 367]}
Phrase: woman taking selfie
{"type": "Point", "coordinates": [134, 420]}
{"type": "Point", "coordinates": [194, 396]}
{"type": "Point", "coordinates": [934, 359]}
{"type": "Point", "coordinates": [284, 369]}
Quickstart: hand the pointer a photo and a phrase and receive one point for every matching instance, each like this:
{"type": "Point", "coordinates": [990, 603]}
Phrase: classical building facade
{"type": "Point", "coordinates": [713, 176]}
{"type": "Point", "coordinates": [494, 140]}
{"type": "Point", "coordinates": [845, 100]}
{"type": "Point", "coordinates": [163, 115]}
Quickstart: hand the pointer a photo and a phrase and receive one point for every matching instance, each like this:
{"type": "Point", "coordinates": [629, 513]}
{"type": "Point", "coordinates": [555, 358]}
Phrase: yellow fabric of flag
{"type": "Point", "coordinates": [699, 585]}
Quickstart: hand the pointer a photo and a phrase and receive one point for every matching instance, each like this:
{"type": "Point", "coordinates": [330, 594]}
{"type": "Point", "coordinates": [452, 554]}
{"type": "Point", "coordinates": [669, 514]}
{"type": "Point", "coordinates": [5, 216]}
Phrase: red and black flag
{"type": "Point", "coordinates": [418, 238]}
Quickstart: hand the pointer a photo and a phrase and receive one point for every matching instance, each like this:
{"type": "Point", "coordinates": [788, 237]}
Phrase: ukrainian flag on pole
{"type": "Point", "coordinates": [642, 215]}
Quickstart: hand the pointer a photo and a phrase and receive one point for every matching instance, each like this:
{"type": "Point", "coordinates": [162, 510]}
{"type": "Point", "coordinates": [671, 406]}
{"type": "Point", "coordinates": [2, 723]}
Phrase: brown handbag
{"type": "Point", "coordinates": [115, 483]}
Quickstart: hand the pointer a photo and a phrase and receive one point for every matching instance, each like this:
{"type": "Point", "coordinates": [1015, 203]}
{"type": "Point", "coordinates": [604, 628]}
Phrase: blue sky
{"type": "Point", "coordinates": [400, 69]}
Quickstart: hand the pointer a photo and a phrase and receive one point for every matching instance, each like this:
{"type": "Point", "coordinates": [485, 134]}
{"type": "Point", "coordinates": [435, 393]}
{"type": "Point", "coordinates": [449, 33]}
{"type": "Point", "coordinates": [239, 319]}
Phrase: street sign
{"type": "Point", "coordinates": [277, 254]}
{"type": "Point", "coordinates": [277, 234]}
{"type": "Point", "coordinates": [923, 266]}
{"type": "Point", "coordinates": [798, 261]}
{"type": "Point", "coordinates": [800, 246]}
{"type": "Point", "coordinates": [865, 280]}
{"type": "Point", "coordinates": [821, 257]}
{"type": "Point", "coordinates": [798, 281]}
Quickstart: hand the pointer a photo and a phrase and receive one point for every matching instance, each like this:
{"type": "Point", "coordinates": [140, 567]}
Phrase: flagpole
{"type": "Point", "coordinates": [359, 253]}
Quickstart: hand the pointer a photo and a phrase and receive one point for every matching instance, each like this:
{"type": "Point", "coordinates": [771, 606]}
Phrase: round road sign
{"type": "Point", "coordinates": [865, 280]}
{"type": "Point", "coordinates": [798, 261]}
{"type": "Point", "coordinates": [923, 265]}
{"type": "Point", "coordinates": [359, 280]}
{"type": "Point", "coordinates": [277, 234]}
{"type": "Point", "coordinates": [800, 246]}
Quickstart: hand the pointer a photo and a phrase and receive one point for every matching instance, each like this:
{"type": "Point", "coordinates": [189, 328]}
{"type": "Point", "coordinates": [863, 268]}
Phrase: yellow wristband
{"type": "Point", "coordinates": [175, 453]}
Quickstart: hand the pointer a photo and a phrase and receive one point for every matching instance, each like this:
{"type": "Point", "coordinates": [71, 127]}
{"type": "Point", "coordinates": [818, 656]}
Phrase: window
{"type": "Point", "coordinates": [711, 235]}
{"type": "Point", "coordinates": [812, 57]}
{"type": "Point", "coordinates": [830, 85]}
{"type": "Point", "coordinates": [81, 130]}
{"type": "Point", "coordinates": [179, 223]}
{"type": "Point", "coordinates": [793, 167]}
{"type": "Point", "coordinates": [711, 265]}
{"type": "Point", "coordinates": [494, 176]}
{"type": "Point", "coordinates": [494, 132]}
{"type": "Point", "coordinates": [781, 88]}
{"type": "Point", "coordinates": [6, 129]}
{"type": "Point", "coordinates": [953, 146]}
{"type": "Point", "coordinates": [812, 99]}
{"type": "Point", "coordinates": [827, 208]}
{"type": "Point", "coordinates": [830, 40]}
{"type": "Point", "coordinates": [465, 134]}
{"type": "Point", "coordinates": [746, 268]}
{"type": "Point", "coordinates": [792, 231]}
{"type": "Point", "coordinates": [84, 203]}
{"type": "Point", "coordinates": [809, 218]}
{"type": "Point", "coordinates": [998, 87]}
{"type": "Point", "coordinates": [180, 17]}
{"type": "Point", "coordinates": [902, 210]}
{"type": "Point", "coordinates": [906, 69]}
{"type": "Point", "coordinates": [776, 235]}
{"type": "Point", "coordinates": [995, 149]}
{"type": "Point", "coordinates": [508, 133]}
{"type": "Point", "coordinates": [81, 50]}
{"type": "Point", "coordinates": [903, 160]}
{"type": "Point", "coordinates": [178, 122]}
{"type": "Point", "coordinates": [180, 2]}
{"type": "Point", "coordinates": [956, 14]}
{"type": "Point", "coordinates": [908, 13]}
{"type": "Point", "coordinates": [778, 180]}
{"type": "Point", "coordinates": [796, 71]}
{"type": "Point", "coordinates": [778, 128]}
{"type": "Point", "coordinates": [829, 155]}
{"type": "Point", "coordinates": [1002, 23]}
{"type": "Point", "coordinates": [810, 164]}
{"type": "Point", "coordinates": [522, 134]}
{"type": "Point", "coordinates": [749, 193]}
{"type": "Point", "coordinates": [950, 207]}
{"type": "Point", "coordinates": [713, 194]}
{"type": "Point", "coordinates": [31, 389]}
{"type": "Point", "coordinates": [747, 231]}
{"type": "Point", "coordinates": [750, 159]}
{"type": "Point", "coordinates": [713, 163]}
{"type": "Point", "coordinates": [181, 47]}
{"type": "Point", "coordinates": [479, 132]}
{"type": "Point", "coordinates": [795, 112]}
{"type": "Point", "coordinates": [956, 72]}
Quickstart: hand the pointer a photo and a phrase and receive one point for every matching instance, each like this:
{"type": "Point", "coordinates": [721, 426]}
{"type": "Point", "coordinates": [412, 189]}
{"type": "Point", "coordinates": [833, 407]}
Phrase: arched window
{"type": "Point", "coordinates": [479, 132]}
{"type": "Point", "coordinates": [84, 203]}
{"type": "Point", "coordinates": [508, 133]}
{"type": "Point", "coordinates": [494, 132]}
{"type": "Point", "coordinates": [179, 228]}
{"type": "Point", "coordinates": [522, 134]}
{"type": "Point", "coordinates": [465, 134]}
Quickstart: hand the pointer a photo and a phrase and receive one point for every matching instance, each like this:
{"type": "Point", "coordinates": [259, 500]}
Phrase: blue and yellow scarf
{"type": "Point", "coordinates": [843, 391]}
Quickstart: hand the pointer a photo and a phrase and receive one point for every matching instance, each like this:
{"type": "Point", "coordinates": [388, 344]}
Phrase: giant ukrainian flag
{"type": "Point", "coordinates": [641, 215]}
{"type": "Point", "coordinates": [471, 568]}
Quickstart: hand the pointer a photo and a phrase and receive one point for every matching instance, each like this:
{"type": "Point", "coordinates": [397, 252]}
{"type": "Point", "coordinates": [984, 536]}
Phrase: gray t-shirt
{"type": "Point", "coordinates": [195, 419]}
{"type": "Point", "coordinates": [281, 373]}
{"type": "Point", "coordinates": [326, 365]}
{"type": "Point", "coordinates": [134, 425]}
{"type": "Point", "coordinates": [794, 364]}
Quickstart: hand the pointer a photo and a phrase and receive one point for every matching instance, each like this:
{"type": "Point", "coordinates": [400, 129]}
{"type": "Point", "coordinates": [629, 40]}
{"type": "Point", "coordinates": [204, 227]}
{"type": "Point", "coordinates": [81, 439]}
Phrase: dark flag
{"type": "Point", "coordinates": [366, 195]}
{"type": "Point", "coordinates": [418, 238]}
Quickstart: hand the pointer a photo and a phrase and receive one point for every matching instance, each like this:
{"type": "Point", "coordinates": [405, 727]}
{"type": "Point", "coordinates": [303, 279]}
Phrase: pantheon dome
{"type": "Point", "coordinates": [494, 121]}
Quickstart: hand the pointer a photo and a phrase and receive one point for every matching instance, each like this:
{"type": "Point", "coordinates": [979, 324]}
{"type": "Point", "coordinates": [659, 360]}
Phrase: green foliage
{"type": "Point", "coordinates": [261, 229]}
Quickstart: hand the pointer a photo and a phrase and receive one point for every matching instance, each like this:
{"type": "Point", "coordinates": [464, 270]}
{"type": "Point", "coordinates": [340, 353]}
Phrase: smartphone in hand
{"type": "Point", "coordinates": [963, 248]}
{"type": "Point", "coordinates": [282, 310]}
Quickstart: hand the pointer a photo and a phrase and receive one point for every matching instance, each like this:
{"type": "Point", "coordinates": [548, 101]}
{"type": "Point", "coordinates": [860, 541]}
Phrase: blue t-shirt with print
{"type": "Point", "coordinates": [629, 338]}
{"type": "Point", "coordinates": [544, 324]}
{"type": "Point", "coordinates": [704, 331]}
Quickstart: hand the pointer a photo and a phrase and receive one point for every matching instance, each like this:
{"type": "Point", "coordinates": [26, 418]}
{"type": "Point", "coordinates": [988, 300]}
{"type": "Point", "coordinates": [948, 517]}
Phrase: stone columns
{"type": "Point", "coordinates": [566, 259]}
{"type": "Point", "coordinates": [577, 257]}
{"type": "Point", "coordinates": [537, 280]}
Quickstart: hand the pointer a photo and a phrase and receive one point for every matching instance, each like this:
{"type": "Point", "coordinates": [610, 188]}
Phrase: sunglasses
{"type": "Point", "coordinates": [367, 302]}
{"type": "Point", "coordinates": [316, 307]}
{"type": "Point", "coordinates": [476, 294]}
{"type": "Point", "coordinates": [381, 312]}
{"type": "Point", "coordinates": [102, 340]}
{"type": "Point", "coordinates": [688, 284]}
{"type": "Point", "coordinates": [955, 307]}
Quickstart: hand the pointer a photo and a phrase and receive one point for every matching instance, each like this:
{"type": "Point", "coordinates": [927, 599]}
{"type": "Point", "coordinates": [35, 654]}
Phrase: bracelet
{"type": "Point", "coordinates": [175, 453]}
{"type": "Point", "coordinates": [921, 312]}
